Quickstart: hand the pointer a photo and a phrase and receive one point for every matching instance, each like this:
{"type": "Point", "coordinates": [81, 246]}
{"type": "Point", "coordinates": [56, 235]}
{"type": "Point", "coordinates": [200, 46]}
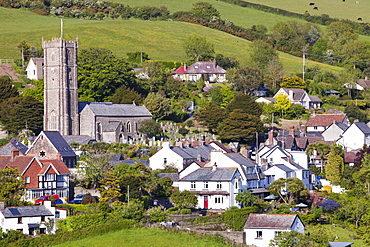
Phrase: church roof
{"type": "Point", "coordinates": [116, 110]}
{"type": "Point", "coordinates": [112, 126]}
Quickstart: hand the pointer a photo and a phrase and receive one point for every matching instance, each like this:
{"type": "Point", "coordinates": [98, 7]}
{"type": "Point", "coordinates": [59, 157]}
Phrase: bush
{"type": "Point", "coordinates": [185, 211]}
{"type": "Point", "coordinates": [235, 218]}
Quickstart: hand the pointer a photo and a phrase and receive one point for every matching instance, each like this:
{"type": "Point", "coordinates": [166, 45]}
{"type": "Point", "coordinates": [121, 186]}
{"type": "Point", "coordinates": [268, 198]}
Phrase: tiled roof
{"type": "Point", "coordinates": [27, 211]}
{"type": "Point", "coordinates": [20, 162]}
{"type": "Point", "coordinates": [315, 139]}
{"type": "Point", "coordinates": [349, 157]}
{"type": "Point", "coordinates": [109, 109]}
{"type": "Point", "coordinates": [10, 146]}
{"type": "Point", "coordinates": [180, 70]}
{"type": "Point", "coordinates": [314, 98]}
{"type": "Point", "coordinates": [57, 165]}
{"type": "Point", "coordinates": [287, 141]}
{"type": "Point", "coordinates": [301, 142]}
{"type": "Point", "coordinates": [57, 140]}
{"type": "Point", "coordinates": [278, 221]}
{"type": "Point", "coordinates": [207, 67]}
{"type": "Point", "coordinates": [364, 83]}
{"type": "Point", "coordinates": [325, 119]}
{"type": "Point", "coordinates": [209, 174]}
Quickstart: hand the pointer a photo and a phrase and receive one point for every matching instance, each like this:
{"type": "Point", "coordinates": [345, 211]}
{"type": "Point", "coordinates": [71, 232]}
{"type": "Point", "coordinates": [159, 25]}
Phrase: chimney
{"type": "Point", "coordinates": [366, 78]}
{"type": "Point", "coordinates": [291, 131]}
{"type": "Point", "coordinates": [166, 145]}
{"type": "Point", "coordinates": [214, 167]}
{"type": "Point", "coordinates": [303, 128]}
{"type": "Point", "coordinates": [355, 121]}
{"type": "Point", "coordinates": [185, 67]}
{"type": "Point", "coordinates": [271, 137]}
{"type": "Point", "coordinates": [2, 207]}
{"type": "Point", "coordinates": [199, 158]}
{"type": "Point", "coordinates": [291, 94]}
{"type": "Point", "coordinates": [15, 153]}
{"type": "Point", "coordinates": [214, 63]}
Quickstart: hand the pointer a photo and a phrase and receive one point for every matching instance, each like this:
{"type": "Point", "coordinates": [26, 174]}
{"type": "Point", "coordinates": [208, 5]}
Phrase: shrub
{"type": "Point", "coordinates": [185, 211]}
{"type": "Point", "coordinates": [235, 218]}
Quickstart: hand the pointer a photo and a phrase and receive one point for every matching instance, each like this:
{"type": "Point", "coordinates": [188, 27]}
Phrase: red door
{"type": "Point", "coordinates": [205, 201]}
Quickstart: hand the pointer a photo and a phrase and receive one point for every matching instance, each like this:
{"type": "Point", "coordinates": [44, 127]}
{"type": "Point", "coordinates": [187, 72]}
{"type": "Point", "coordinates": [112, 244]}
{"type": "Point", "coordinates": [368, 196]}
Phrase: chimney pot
{"type": "Point", "coordinates": [2, 207]}
{"type": "Point", "coordinates": [214, 167]}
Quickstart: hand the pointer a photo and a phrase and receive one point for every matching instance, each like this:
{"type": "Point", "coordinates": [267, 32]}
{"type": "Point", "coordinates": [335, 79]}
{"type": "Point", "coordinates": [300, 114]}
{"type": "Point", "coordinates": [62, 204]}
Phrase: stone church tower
{"type": "Point", "coordinates": [60, 86]}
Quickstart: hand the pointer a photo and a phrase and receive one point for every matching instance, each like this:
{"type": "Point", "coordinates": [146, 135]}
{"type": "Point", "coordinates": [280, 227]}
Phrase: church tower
{"type": "Point", "coordinates": [60, 86]}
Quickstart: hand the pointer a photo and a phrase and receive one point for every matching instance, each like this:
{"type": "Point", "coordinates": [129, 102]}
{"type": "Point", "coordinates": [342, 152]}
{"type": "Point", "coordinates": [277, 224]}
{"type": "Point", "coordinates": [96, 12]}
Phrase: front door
{"type": "Point", "coordinates": [205, 202]}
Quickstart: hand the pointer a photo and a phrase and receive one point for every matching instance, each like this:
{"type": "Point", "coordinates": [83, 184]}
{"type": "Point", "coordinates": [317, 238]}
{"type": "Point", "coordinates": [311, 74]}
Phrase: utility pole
{"type": "Point", "coordinates": [22, 58]}
{"type": "Point", "coordinates": [128, 194]}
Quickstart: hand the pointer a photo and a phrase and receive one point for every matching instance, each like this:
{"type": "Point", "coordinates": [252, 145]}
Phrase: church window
{"type": "Point", "coordinates": [99, 130]}
{"type": "Point", "coordinates": [53, 121]}
{"type": "Point", "coordinates": [136, 127]}
{"type": "Point", "coordinates": [123, 128]}
{"type": "Point", "coordinates": [53, 56]}
{"type": "Point", "coordinates": [128, 127]}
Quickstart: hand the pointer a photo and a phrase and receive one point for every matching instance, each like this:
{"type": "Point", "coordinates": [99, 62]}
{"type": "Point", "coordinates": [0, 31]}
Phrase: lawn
{"type": "Point", "coordinates": [144, 237]}
{"type": "Point", "coordinates": [162, 40]}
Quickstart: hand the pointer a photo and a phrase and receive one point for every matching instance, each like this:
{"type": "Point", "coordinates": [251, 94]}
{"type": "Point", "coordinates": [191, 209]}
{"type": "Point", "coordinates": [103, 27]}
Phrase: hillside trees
{"type": "Point", "coordinates": [246, 80]}
{"type": "Point", "coordinates": [334, 167]}
{"type": "Point", "coordinates": [210, 116]}
{"type": "Point", "coordinates": [150, 127]}
{"type": "Point", "coordinates": [205, 11]}
{"type": "Point", "coordinates": [262, 53]}
{"type": "Point", "coordinates": [197, 48]}
{"type": "Point", "coordinates": [293, 82]}
{"type": "Point", "coordinates": [125, 95]}
{"type": "Point", "coordinates": [158, 105]}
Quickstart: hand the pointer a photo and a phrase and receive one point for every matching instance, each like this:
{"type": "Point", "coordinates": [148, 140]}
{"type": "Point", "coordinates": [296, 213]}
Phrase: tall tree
{"type": "Point", "coordinates": [274, 72]}
{"type": "Point", "coordinates": [240, 127]}
{"type": "Point", "coordinates": [109, 188]}
{"type": "Point", "coordinates": [246, 198]}
{"type": "Point", "coordinates": [197, 48]}
{"type": "Point", "coordinates": [246, 80]}
{"type": "Point", "coordinates": [12, 186]}
{"type": "Point", "coordinates": [150, 127]}
{"type": "Point", "coordinates": [282, 103]}
{"type": "Point", "coordinates": [37, 92]}
{"type": "Point", "coordinates": [158, 105]}
{"type": "Point", "coordinates": [334, 167]}
{"type": "Point", "coordinates": [205, 11]}
{"type": "Point", "coordinates": [262, 53]}
{"type": "Point", "coordinates": [210, 116]}
{"type": "Point", "coordinates": [246, 103]}
{"type": "Point", "coordinates": [94, 171]}
{"type": "Point", "coordinates": [340, 33]}
{"type": "Point", "coordinates": [184, 199]}
{"type": "Point", "coordinates": [100, 73]}
{"type": "Point", "coordinates": [7, 89]}
{"type": "Point", "coordinates": [293, 82]}
{"type": "Point", "coordinates": [125, 95]}
{"type": "Point", "coordinates": [288, 189]}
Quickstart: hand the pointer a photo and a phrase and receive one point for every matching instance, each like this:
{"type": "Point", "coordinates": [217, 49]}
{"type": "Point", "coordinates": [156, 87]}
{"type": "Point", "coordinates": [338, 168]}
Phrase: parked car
{"type": "Point", "coordinates": [41, 199]}
{"type": "Point", "coordinates": [78, 199]}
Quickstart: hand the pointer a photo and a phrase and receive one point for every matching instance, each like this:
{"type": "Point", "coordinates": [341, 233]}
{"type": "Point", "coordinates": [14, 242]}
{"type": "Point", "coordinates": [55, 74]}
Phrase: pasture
{"type": "Point", "coordinates": [162, 40]}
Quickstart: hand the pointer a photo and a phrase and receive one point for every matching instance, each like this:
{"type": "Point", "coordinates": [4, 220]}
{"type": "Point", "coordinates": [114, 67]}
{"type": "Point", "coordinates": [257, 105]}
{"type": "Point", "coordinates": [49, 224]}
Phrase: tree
{"type": "Point", "coordinates": [246, 80]}
{"type": "Point", "coordinates": [246, 103]}
{"type": "Point", "coordinates": [362, 176]}
{"type": "Point", "coordinates": [150, 127]}
{"type": "Point", "coordinates": [285, 239]}
{"type": "Point", "coordinates": [12, 186]}
{"type": "Point", "coordinates": [19, 113]}
{"type": "Point", "coordinates": [156, 214]}
{"type": "Point", "coordinates": [94, 171]}
{"type": "Point", "coordinates": [125, 95]}
{"type": "Point", "coordinates": [210, 116]}
{"type": "Point", "coordinates": [137, 57]}
{"type": "Point", "coordinates": [293, 82]}
{"type": "Point", "coordinates": [282, 34]}
{"type": "Point", "coordinates": [289, 189]}
{"type": "Point", "coordinates": [226, 62]}
{"type": "Point", "coordinates": [184, 199]}
{"type": "Point", "coordinates": [183, 131]}
{"type": "Point", "coordinates": [354, 112]}
{"type": "Point", "coordinates": [240, 127]}
{"type": "Point", "coordinates": [100, 73]}
{"type": "Point", "coordinates": [133, 210]}
{"type": "Point", "coordinates": [157, 105]}
{"type": "Point", "coordinates": [274, 72]}
{"type": "Point", "coordinates": [340, 33]}
{"type": "Point", "coordinates": [321, 149]}
{"type": "Point", "coordinates": [355, 53]}
{"type": "Point", "coordinates": [262, 53]}
{"type": "Point", "coordinates": [246, 198]}
{"type": "Point", "coordinates": [282, 103]}
{"type": "Point", "coordinates": [334, 168]}
{"type": "Point", "coordinates": [37, 92]}
{"type": "Point", "coordinates": [205, 11]}
{"type": "Point", "coordinates": [109, 188]}
{"type": "Point", "coordinates": [197, 48]}
{"type": "Point", "coordinates": [7, 89]}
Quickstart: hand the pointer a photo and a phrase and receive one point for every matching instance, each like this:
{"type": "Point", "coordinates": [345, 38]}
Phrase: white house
{"type": "Point", "coordinates": [334, 131]}
{"type": "Point", "coordinates": [215, 187]}
{"type": "Point", "coordinates": [320, 122]}
{"type": "Point", "coordinates": [260, 229]}
{"type": "Point", "coordinates": [301, 97]}
{"type": "Point", "coordinates": [35, 69]}
{"type": "Point", "coordinates": [208, 71]}
{"type": "Point", "coordinates": [355, 136]}
{"type": "Point", "coordinates": [28, 219]}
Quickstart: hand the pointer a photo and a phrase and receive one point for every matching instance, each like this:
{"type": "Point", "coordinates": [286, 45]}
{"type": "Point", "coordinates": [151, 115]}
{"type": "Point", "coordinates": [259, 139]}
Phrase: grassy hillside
{"type": "Point", "coordinates": [145, 237]}
{"type": "Point", "coordinates": [162, 40]}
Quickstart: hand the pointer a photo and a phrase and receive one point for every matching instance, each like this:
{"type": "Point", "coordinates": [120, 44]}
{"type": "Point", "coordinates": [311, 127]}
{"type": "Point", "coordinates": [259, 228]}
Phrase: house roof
{"type": "Point", "coordinates": [205, 67]}
{"type": "Point", "coordinates": [314, 98]}
{"type": "Point", "coordinates": [340, 244]}
{"type": "Point", "coordinates": [240, 159]}
{"type": "Point", "coordinates": [10, 146]}
{"type": "Point", "coordinates": [109, 109]}
{"type": "Point", "coordinates": [37, 60]}
{"type": "Point", "coordinates": [210, 174]}
{"type": "Point", "coordinates": [325, 119]}
{"type": "Point", "coordinates": [193, 152]}
{"type": "Point", "coordinates": [111, 126]}
{"type": "Point", "coordinates": [363, 127]}
{"type": "Point", "coordinates": [283, 167]}
{"type": "Point", "coordinates": [297, 93]}
{"type": "Point", "coordinates": [275, 221]}
{"type": "Point", "coordinates": [80, 139]}
{"type": "Point", "coordinates": [173, 176]}
{"type": "Point", "coordinates": [180, 70]}
{"type": "Point", "coordinates": [287, 140]}
{"type": "Point", "coordinates": [20, 162]}
{"type": "Point", "coordinates": [365, 83]}
{"type": "Point", "coordinates": [27, 211]}
{"type": "Point", "coordinates": [301, 142]}
{"type": "Point", "coordinates": [350, 157]}
{"type": "Point", "coordinates": [58, 166]}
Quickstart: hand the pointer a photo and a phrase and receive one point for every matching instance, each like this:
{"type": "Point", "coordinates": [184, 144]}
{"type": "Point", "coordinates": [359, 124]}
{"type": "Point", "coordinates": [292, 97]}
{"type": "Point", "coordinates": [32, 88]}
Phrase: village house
{"type": "Point", "coordinates": [355, 136]}
{"type": "Point", "coordinates": [320, 122]}
{"type": "Point", "coordinates": [260, 229]}
{"type": "Point", "coordinates": [35, 69]}
{"type": "Point", "coordinates": [215, 187]}
{"type": "Point", "coordinates": [29, 219]}
{"type": "Point", "coordinates": [208, 71]}
{"type": "Point", "coordinates": [334, 131]}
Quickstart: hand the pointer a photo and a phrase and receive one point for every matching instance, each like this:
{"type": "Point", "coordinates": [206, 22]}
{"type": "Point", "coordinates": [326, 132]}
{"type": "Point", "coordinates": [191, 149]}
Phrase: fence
{"type": "Point", "coordinates": [6, 61]}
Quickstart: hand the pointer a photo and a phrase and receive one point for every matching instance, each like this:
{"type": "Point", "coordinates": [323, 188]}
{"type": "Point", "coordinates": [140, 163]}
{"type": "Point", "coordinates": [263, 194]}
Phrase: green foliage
{"type": "Point", "coordinates": [37, 92]}
{"type": "Point", "coordinates": [156, 214]}
{"type": "Point", "coordinates": [294, 186]}
{"type": "Point", "coordinates": [10, 236]}
{"type": "Point", "coordinates": [282, 103]}
{"type": "Point", "coordinates": [6, 89]}
{"type": "Point", "coordinates": [73, 223]}
{"type": "Point", "coordinates": [210, 116]}
{"type": "Point", "coordinates": [197, 48]}
{"type": "Point", "coordinates": [150, 127]}
{"type": "Point", "coordinates": [134, 211]}
{"type": "Point", "coordinates": [262, 53]}
{"type": "Point", "coordinates": [185, 211]}
{"type": "Point", "coordinates": [125, 95]}
{"type": "Point", "coordinates": [12, 186]}
{"type": "Point", "coordinates": [246, 198]}
{"type": "Point", "coordinates": [293, 82]}
{"type": "Point", "coordinates": [334, 168]}
{"type": "Point", "coordinates": [205, 11]}
{"type": "Point", "coordinates": [354, 112]}
{"type": "Point", "coordinates": [157, 105]}
{"type": "Point", "coordinates": [109, 188]}
{"type": "Point", "coordinates": [18, 113]}
{"type": "Point", "coordinates": [246, 103]}
{"type": "Point", "coordinates": [137, 57]}
{"type": "Point", "coordinates": [235, 218]}
{"type": "Point", "coordinates": [95, 170]}
{"type": "Point", "coordinates": [184, 199]}
{"type": "Point", "coordinates": [100, 73]}
{"type": "Point", "coordinates": [246, 80]}
{"type": "Point", "coordinates": [183, 131]}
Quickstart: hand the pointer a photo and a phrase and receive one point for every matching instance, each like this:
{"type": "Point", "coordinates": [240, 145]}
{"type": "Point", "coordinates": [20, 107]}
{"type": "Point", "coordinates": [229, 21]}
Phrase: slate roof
{"type": "Point", "coordinates": [301, 142]}
{"type": "Point", "coordinates": [173, 176]}
{"type": "Point", "coordinates": [10, 146]}
{"type": "Point", "coordinates": [270, 221]}
{"type": "Point", "coordinates": [287, 141]}
{"type": "Point", "coordinates": [202, 67]}
{"type": "Point", "coordinates": [27, 211]}
{"type": "Point", "coordinates": [314, 98]}
{"type": "Point", "coordinates": [240, 159]}
{"type": "Point", "coordinates": [298, 93]}
{"type": "Point", "coordinates": [59, 143]}
{"type": "Point", "coordinates": [365, 83]}
{"type": "Point", "coordinates": [340, 244]}
{"type": "Point", "coordinates": [80, 139]}
{"type": "Point", "coordinates": [363, 127]}
{"type": "Point", "coordinates": [325, 119]}
{"type": "Point", "coordinates": [111, 126]}
{"type": "Point", "coordinates": [193, 152]}
{"type": "Point", "coordinates": [208, 174]}
{"type": "Point", "coordinates": [115, 110]}
{"type": "Point", "coordinates": [284, 168]}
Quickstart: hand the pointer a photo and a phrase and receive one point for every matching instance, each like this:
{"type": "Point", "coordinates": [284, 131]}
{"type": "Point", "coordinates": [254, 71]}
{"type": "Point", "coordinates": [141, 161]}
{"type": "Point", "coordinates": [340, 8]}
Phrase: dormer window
{"type": "Point", "coordinates": [208, 67]}
{"type": "Point", "coordinates": [196, 67]}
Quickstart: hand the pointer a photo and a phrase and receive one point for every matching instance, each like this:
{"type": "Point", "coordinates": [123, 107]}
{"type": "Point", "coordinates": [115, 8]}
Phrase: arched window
{"type": "Point", "coordinates": [98, 131]}
{"type": "Point", "coordinates": [128, 127]}
{"type": "Point", "coordinates": [53, 121]}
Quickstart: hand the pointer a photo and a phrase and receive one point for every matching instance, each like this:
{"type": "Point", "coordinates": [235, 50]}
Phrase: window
{"type": "Point", "coordinates": [205, 185]}
{"type": "Point", "coordinates": [28, 180]}
{"type": "Point", "coordinates": [60, 178]}
{"type": "Point", "coordinates": [277, 233]}
{"type": "Point", "coordinates": [192, 185]}
{"type": "Point", "coordinates": [42, 218]}
{"type": "Point", "coordinates": [259, 234]}
{"type": "Point", "coordinates": [315, 127]}
{"type": "Point", "coordinates": [57, 214]}
{"type": "Point", "coordinates": [129, 127]}
{"type": "Point", "coordinates": [219, 199]}
{"type": "Point", "coordinates": [42, 230]}
{"type": "Point", "coordinates": [164, 160]}
{"type": "Point", "coordinates": [19, 220]}
{"type": "Point", "coordinates": [50, 177]}
{"type": "Point", "coordinates": [236, 184]}
{"type": "Point", "coordinates": [219, 185]}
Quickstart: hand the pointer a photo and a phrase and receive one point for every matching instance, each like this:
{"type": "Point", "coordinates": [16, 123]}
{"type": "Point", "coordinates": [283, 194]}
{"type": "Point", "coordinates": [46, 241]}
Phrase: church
{"type": "Point", "coordinates": [102, 121]}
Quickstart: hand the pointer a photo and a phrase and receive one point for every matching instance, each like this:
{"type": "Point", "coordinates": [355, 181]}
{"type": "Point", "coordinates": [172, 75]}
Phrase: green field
{"type": "Point", "coordinates": [162, 40]}
{"type": "Point", "coordinates": [144, 237]}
